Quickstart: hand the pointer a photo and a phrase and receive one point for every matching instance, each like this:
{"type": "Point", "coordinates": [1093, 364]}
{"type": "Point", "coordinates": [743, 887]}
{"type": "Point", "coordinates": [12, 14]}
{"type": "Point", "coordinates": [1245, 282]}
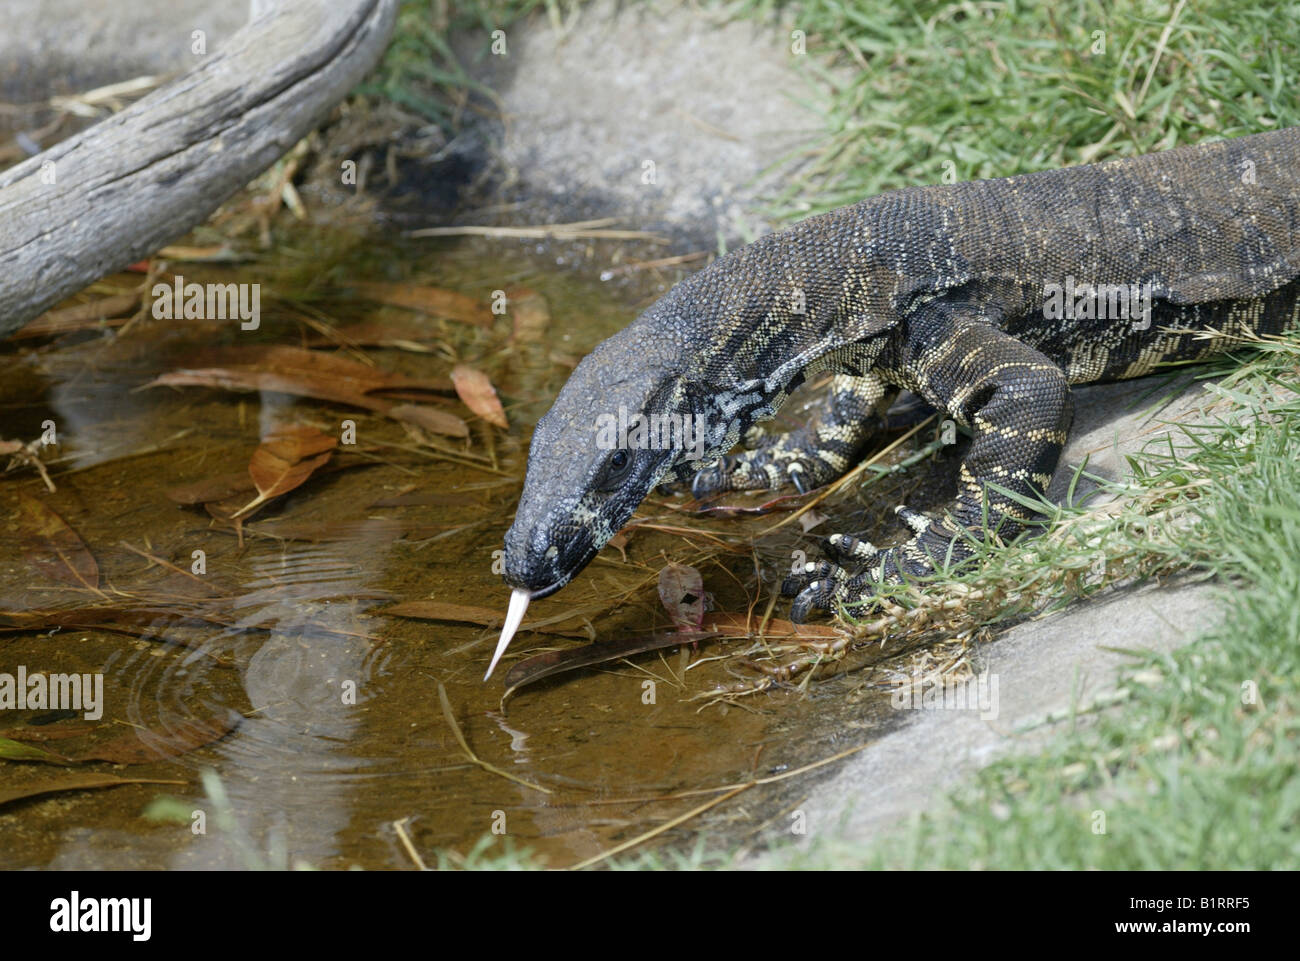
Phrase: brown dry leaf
{"type": "Point", "coordinates": [54, 548]}
{"type": "Point", "coordinates": [414, 334]}
{"type": "Point", "coordinates": [681, 588]}
{"type": "Point", "coordinates": [539, 666]}
{"type": "Point", "coordinates": [75, 782]}
{"type": "Point", "coordinates": [213, 489]}
{"type": "Point", "coordinates": [474, 388]}
{"type": "Point", "coordinates": [79, 317]}
{"type": "Point", "coordinates": [429, 300]}
{"type": "Point", "coordinates": [307, 373]}
{"type": "Point", "coordinates": [291, 370]}
{"type": "Point", "coordinates": [530, 314]}
{"type": "Point", "coordinates": [284, 460]}
{"type": "Point", "coordinates": [467, 614]}
{"type": "Point", "coordinates": [143, 746]}
{"type": "Point", "coordinates": [430, 418]}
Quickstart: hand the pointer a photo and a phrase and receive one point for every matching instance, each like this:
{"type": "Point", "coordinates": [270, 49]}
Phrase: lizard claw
{"type": "Point", "coordinates": [794, 471]}
{"type": "Point", "coordinates": [713, 480]}
{"type": "Point", "coordinates": [825, 586]}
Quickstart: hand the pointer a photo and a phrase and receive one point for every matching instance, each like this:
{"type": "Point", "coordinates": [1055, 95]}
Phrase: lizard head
{"type": "Point", "coordinates": [622, 422]}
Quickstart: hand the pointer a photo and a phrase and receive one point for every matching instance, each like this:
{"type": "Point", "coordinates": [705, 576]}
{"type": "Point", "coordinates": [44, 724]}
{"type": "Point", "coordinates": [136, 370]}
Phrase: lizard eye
{"type": "Point", "coordinates": [616, 470]}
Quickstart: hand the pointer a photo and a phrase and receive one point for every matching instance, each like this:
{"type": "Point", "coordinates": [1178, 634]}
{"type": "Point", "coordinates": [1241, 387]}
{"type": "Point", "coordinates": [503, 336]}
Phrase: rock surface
{"type": "Point", "coordinates": [705, 110]}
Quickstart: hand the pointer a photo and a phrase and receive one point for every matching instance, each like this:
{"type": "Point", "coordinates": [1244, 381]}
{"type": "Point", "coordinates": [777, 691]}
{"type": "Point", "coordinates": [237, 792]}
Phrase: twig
{"type": "Point", "coordinates": [667, 826]}
{"type": "Point", "coordinates": [414, 855]}
{"type": "Point", "coordinates": [469, 753]}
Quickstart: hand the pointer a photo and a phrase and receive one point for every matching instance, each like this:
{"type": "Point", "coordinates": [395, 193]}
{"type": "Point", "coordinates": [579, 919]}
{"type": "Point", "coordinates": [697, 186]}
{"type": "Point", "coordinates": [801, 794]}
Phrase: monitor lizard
{"type": "Point", "coordinates": [989, 299]}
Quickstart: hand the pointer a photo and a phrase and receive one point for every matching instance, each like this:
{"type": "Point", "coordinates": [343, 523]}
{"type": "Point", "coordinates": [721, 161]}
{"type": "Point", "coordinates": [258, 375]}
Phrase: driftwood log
{"type": "Point", "coordinates": [119, 190]}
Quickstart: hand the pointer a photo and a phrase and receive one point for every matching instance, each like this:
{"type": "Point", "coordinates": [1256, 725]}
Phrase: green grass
{"type": "Point", "coordinates": [990, 89]}
{"type": "Point", "coordinates": [422, 73]}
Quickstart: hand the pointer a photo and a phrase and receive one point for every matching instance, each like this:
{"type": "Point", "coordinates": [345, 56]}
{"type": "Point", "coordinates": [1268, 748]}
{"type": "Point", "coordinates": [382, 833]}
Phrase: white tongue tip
{"type": "Point", "coordinates": [519, 599]}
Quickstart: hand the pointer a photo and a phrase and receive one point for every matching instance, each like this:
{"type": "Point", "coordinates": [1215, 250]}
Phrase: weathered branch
{"type": "Point", "coordinates": [140, 179]}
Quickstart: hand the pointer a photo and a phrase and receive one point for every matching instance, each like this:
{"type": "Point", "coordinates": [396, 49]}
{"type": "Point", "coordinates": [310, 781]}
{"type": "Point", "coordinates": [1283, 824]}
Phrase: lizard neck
{"type": "Point", "coordinates": [752, 325]}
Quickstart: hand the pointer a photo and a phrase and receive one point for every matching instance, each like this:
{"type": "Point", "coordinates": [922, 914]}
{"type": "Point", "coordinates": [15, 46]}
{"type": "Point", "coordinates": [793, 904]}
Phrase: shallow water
{"type": "Point", "coordinates": [337, 731]}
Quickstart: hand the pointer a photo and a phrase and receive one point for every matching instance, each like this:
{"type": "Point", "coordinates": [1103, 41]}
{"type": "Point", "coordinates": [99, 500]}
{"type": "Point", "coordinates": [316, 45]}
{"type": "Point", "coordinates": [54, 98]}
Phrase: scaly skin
{"type": "Point", "coordinates": [939, 290]}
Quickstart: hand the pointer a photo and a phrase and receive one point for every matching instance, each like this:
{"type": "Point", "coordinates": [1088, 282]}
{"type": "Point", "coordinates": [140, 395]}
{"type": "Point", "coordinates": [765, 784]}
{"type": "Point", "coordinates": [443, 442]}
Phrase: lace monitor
{"type": "Point", "coordinates": [946, 291]}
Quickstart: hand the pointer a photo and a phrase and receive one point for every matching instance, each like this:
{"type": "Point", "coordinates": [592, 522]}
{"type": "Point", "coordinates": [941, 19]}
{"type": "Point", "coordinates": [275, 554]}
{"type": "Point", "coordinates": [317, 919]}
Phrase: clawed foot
{"type": "Point", "coordinates": [856, 569]}
{"type": "Point", "coordinates": [791, 460]}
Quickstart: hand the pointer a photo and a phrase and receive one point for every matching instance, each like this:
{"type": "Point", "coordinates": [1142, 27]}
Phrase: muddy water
{"type": "Point", "coordinates": [336, 735]}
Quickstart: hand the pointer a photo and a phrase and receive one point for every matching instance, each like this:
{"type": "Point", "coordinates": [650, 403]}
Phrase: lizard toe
{"type": "Point", "coordinates": [849, 549]}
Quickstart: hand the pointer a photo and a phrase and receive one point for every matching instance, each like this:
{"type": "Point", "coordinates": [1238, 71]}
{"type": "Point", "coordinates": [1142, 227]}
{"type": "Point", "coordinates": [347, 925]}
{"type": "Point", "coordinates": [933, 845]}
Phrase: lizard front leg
{"type": "Point", "coordinates": [1017, 403]}
{"type": "Point", "coordinates": [810, 456]}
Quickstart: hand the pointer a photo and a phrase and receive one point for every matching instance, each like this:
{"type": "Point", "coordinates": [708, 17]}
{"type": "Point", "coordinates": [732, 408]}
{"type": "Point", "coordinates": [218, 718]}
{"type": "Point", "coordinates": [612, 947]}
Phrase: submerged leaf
{"type": "Point", "coordinates": [54, 548]}
{"type": "Point", "coordinates": [474, 388]}
{"type": "Point", "coordinates": [141, 747]}
{"type": "Point", "coordinates": [530, 314]}
{"type": "Point", "coordinates": [213, 489]}
{"type": "Point", "coordinates": [430, 418]}
{"type": "Point", "coordinates": [429, 300]}
{"type": "Point", "coordinates": [284, 460]}
{"type": "Point", "coordinates": [541, 666]}
{"type": "Point", "coordinates": [468, 614]}
{"type": "Point", "coordinates": [291, 370]}
{"type": "Point", "coordinates": [74, 782]}
{"type": "Point", "coordinates": [18, 751]}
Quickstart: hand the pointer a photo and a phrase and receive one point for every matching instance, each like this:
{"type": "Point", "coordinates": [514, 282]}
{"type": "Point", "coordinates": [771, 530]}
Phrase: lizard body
{"type": "Point", "coordinates": [966, 294]}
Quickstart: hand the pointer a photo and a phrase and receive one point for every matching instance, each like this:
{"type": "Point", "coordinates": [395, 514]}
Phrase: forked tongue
{"type": "Point", "coordinates": [514, 615]}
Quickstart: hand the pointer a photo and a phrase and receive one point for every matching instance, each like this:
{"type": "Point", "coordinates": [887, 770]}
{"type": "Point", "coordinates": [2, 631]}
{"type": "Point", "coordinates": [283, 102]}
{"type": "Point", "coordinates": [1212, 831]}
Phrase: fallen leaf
{"type": "Point", "coordinates": [306, 373]}
{"type": "Point", "coordinates": [284, 460]}
{"type": "Point", "coordinates": [430, 418]}
{"type": "Point", "coordinates": [152, 744]}
{"type": "Point", "coordinates": [79, 317]}
{"type": "Point", "coordinates": [413, 334]}
{"type": "Point", "coordinates": [225, 487]}
{"type": "Point", "coordinates": [467, 614]}
{"type": "Point", "coordinates": [474, 388]}
{"type": "Point", "coordinates": [17, 751]}
{"type": "Point", "coordinates": [681, 588]}
{"type": "Point", "coordinates": [530, 314]}
{"type": "Point", "coordinates": [291, 370]}
{"type": "Point", "coordinates": [213, 489]}
{"type": "Point", "coordinates": [428, 300]}
{"type": "Point", "coordinates": [535, 668]}
{"type": "Point", "coordinates": [54, 548]}
{"type": "Point", "coordinates": [76, 782]}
